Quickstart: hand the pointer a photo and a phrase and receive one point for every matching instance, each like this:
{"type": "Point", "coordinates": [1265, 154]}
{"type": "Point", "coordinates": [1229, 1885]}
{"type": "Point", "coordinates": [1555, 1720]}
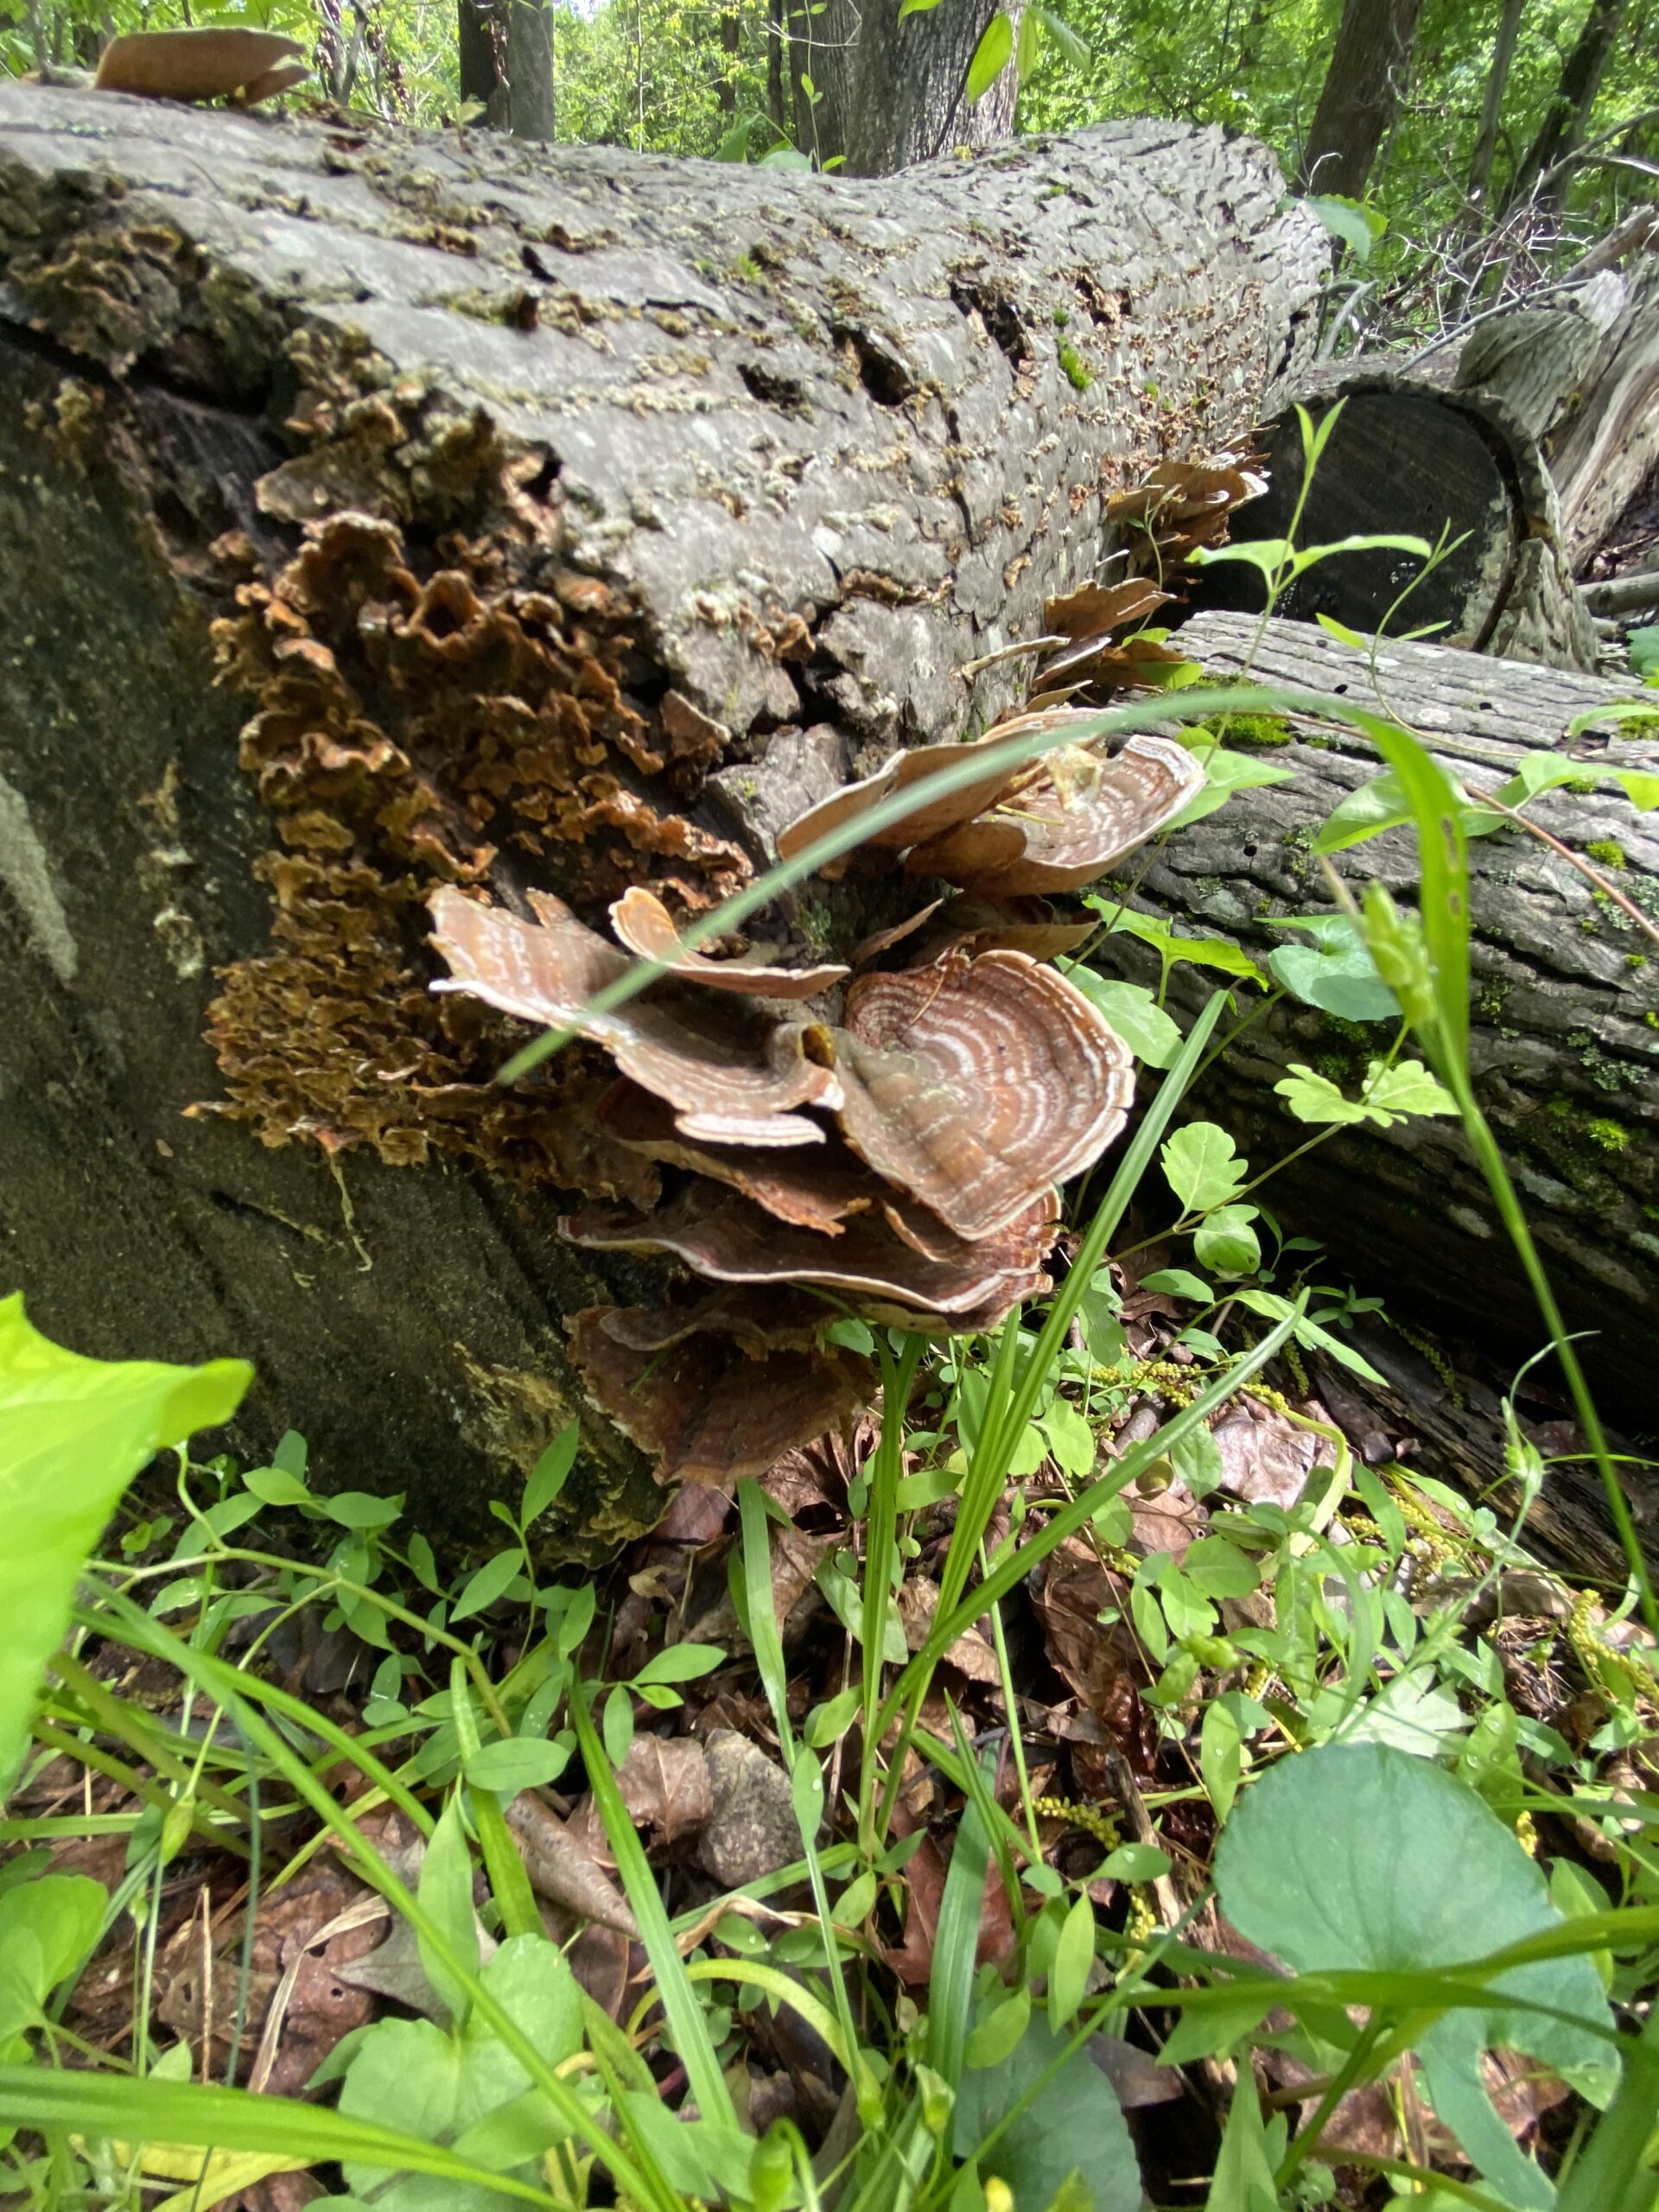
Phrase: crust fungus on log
{"type": "Point", "coordinates": [567, 518]}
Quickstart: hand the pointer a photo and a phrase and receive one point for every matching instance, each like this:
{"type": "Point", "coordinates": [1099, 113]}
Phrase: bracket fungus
{"type": "Point", "coordinates": [206, 64]}
{"type": "Point", "coordinates": [643, 925]}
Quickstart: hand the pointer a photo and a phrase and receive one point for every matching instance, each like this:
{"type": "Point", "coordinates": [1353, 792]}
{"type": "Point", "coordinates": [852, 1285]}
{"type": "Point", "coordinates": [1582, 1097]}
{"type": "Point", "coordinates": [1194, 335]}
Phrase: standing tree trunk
{"type": "Point", "coordinates": [892, 94]}
{"type": "Point", "coordinates": [1567, 116]}
{"type": "Point", "coordinates": [506, 61]}
{"type": "Point", "coordinates": [418, 509]}
{"type": "Point", "coordinates": [1491, 105]}
{"type": "Point", "coordinates": [1361, 92]}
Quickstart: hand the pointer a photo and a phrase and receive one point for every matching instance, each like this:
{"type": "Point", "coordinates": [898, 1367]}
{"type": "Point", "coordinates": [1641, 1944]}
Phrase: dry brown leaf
{"type": "Point", "coordinates": [1264, 1457]}
{"type": "Point", "coordinates": [970, 1654]}
{"type": "Point", "coordinates": [912, 1959]}
{"type": "Point", "coordinates": [561, 1871]}
{"type": "Point", "coordinates": [665, 1786]}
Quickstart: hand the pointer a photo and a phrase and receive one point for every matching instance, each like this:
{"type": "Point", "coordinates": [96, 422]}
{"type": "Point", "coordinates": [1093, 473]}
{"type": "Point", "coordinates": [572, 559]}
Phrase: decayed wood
{"type": "Point", "coordinates": [1564, 1011]}
{"type": "Point", "coordinates": [561, 512]}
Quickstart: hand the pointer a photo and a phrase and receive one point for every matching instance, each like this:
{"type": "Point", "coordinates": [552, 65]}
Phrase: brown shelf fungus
{"type": "Point", "coordinates": [643, 925]}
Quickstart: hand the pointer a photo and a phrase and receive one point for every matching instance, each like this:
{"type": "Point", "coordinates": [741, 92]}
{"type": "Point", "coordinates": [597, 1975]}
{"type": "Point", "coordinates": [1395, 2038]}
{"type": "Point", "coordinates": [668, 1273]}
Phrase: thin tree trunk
{"type": "Point", "coordinates": [731, 27]}
{"type": "Point", "coordinates": [1361, 92]}
{"type": "Point", "coordinates": [893, 93]}
{"type": "Point", "coordinates": [1491, 106]}
{"type": "Point", "coordinates": [1568, 116]}
{"type": "Point", "coordinates": [506, 61]}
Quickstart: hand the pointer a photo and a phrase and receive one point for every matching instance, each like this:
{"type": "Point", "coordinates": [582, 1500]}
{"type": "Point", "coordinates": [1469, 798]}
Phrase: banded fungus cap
{"type": "Point", "coordinates": [643, 925]}
{"type": "Point", "coordinates": [929, 819]}
{"type": "Point", "coordinates": [1085, 813]}
{"type": "Point", "coordinates": [725, 1070]}
{"type": "Point", "coordinates": [811, 1187]}
{"type": "Point", "coordinates": [709, 1410]}
{"type": "Point", "coordinates": [976, 1085]}
{"type": "Point", "coordinates": [721, 1235]}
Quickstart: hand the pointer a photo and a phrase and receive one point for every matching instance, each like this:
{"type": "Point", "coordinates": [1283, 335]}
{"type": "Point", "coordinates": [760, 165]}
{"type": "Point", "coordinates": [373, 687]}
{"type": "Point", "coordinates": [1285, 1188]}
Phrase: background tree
{"type": "Point", "coordinates": [1361, 89]}
{"type": "Point", "coordinates": [506, 61]}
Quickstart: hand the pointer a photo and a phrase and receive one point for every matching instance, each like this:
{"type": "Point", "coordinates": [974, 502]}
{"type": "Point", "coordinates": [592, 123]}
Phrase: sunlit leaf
{"type": "Point", "coordinates": [991, 57]}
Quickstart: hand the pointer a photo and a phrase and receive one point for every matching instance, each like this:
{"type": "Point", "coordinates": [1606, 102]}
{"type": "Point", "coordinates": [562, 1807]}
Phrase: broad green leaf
{"type": "Point", "coordinates": [488, 1583]}
{"type": "Point", "coordinates": [1180, 1282]}
{"type": "Point", "coordinates": [1071, 1440]}
{"type": "Point", "coordinates": [680, 1663]}
{"type": "Point", "coordinates": [916, 7]}
{"type": "Point", "coordinates": [1358, 225]}
{"type": "Point", "coordinates": [47, 1926]}
{"type": "Point", "coordinates": [1196, 1460]}
{"type": "Point", "coordinates": [1027, 43]}
{"type": "Point", "coordinates": [1443, 860]}
{"type": "Point", "coordinates": [1227, 1243]}
{"type": "Point", "coordinates": [1216, 953]}
{"type": "Point", "coordinates": [1075, 49]}
{"type": "Point", "coordinates": [1314, 1098]}
{"type": "Point", "coordinates": [991, 2039]}
{"type": "Point", "coordinates": [1644, 650]}
{"type": "Point", "coordinates": [360, 1508]}
{"type": "Point", "coordinates": [1225, 772]}
{"type": "Point", "coordinates": [1361, 1857]}
{"type": "Point", "coordinates": [1202, 1167]}
{"type": "Point", "coordinates": [826, 1724]}
{"type": "Point", "coordinates": [277, 1486]}
{"type": "Point", "coordinates": [1309, 557]}
{"type": "Point", "coordinates": [1135, 1014]}
{"type": "Point", "coordinates": [514, 1763]}
{"type": "Point", "coordinates": [74, 1432]}
{"type": "Point", "coordinates": [548, 1476]}
{"type": "Point", "coordinates": [784, 157]}
{"type": "Point", "coordinates": [991, 57]}
{"type": "Point", "coordinates": [445, 1891]}
{"type": "Point", "coordinates": [1220, 1569]}
{"type": "Point", "coordinates": [1074, 1953]}
{"type": "Point", "coordinates": [1309, 1333]}
{"type": "Point", "coordinates": [1220, 1757]}
{"type": "Point", "coordinates": [1073, 2123]}
{"type": "Point", "coordinates": [1367, 812]}
{"type": "Point", "coordinates": [1410, 1714]}
{"type": "Point", "coordinates": [1343, 636]}
{"type": "Point", "coordinates": [1642, 791]}
{"type": "Point", "coordinates": [1336, 973]}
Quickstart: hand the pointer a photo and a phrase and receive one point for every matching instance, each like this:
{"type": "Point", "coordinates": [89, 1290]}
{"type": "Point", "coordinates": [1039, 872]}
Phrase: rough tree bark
{"type": "Point", "coordinates": [506, 61]}
{"type": "Point", "coordinates": [1360, 93]}
{"type": "Point", "coordinates": [1491, 104]}
{"type": "Point", "coordinates": [892, 94]}
{"type": "Point", "coordinates": [1568, 116]}
{"type": "Point", "coordinates": [678, 462]}
{"type": "Point", "coordinates": [1565, 1013]}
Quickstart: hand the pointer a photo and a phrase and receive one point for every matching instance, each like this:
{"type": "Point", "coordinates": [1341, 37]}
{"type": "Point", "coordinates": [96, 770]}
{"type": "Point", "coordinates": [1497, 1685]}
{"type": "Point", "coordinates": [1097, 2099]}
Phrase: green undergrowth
{"type": "Point", "coordinates": [1121, 1647]}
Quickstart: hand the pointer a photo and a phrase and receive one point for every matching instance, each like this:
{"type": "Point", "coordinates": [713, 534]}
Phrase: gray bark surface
{"type": "Point", "coordinates": [1370, 63]}
{"type": "Point", "coordinates": [714, 457]}
{"type": "Point", "coordinates": [1564, 1025]}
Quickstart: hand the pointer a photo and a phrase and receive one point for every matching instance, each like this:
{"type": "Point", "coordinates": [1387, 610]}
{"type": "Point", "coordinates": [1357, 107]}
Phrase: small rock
{"type": "Point", "coordinates": [753, 1831]}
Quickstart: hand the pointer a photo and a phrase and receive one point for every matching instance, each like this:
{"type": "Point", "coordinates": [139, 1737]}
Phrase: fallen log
{"type": "Point", "coordinates": [1565, 1013]}
{"type": "Point", "coordinates": [382, 511]}
{"type": "Point", "coordinates": [1524, 439]}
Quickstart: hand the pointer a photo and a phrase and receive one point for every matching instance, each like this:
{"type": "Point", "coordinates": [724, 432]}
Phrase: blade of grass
{"type": "Point", "coordinates": [768, 1649]}
{"type": "Point", "coordinates": [687, 2023]}
{"type": "Point", "coordinates": [112, 2104]}
{"type": "Point", "coordinates": [224, 1684]}
{"type": "Point", "coordinates": [880, 1558]}
{"type": "Point", "coordinates": [955, 1946]}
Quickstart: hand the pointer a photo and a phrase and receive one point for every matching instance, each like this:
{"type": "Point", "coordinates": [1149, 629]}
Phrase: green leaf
{"type": "Point", "coordinates": [1071, 1440]}
{"type": "Point", "coordinates": [916, 7]}
{"type": "Point", "coordinates": [995, 2035]}
{"type": "Point", "coordinates": [1202, 1167]}
{"type": "Point", "coordinates": [680, 1663]}
{"type": "Point", "coordinates": [1226, 1244]}
{"type": "Point", "coordinates": [826, 1724]}
{"type": "Point", "coordinates": [1314, 1098]}
{"type": "Point", "coordinates": [784, 157]}
{"type": "Point", "coordinates": [488, 1583]}
{"type": "Point", "coordinates": [1407, 1088]}
{"type": "Point", "coordinates": [1216, 953]}
{"type": "Point", "coordinates": [1075, 49]}
{"type": "Point", "coordinates": [852, 1334]}
{"type": "Point", "coordinates": [1074, 1953]}
{"type": "Point", "coordinates": [616, 1725]}
{"type": "Point", "coordinates": [991, 57]}
{"type": "Point", "coordinates": [1336, 973]}
{"type": "Point", "coordinates": [1027, 43]}
{"type": "Point", "coordinates": [1343, 636]}
{"type": "Point", "coordinates": [276, 1486]}
{"type": "Point", "coordinates": [1355, 222]}
{"type": "Point", "coordinates": [1244, 2180]}
{"type": "Point", "coordinates": [1219, 1569]}
{"type": "Point", "coordinates": [445, 1891]}
{"type": "Point", "coordinates": [1196, 1460]}
{"type": "Point", "coordinates": [548, 1476]}
{"type": "Point", "coordinates": [74, 1432]}
{"type": "Point", "coordinates": [1366, 812]}
{"type": "Point", "coordinates": [1220, 1757]}
{"type": "Point", "coordinates": [1225, 772]}
{"type": "Point", "coordinates": [48, 1928]}
{"type": "Point", "coordinates": [360, 1508]}
{"type": "Point", "coordinates": [1133, 1012]}
{"type": "Point", "coordinates": [1644, 650]}
{"type": "Point", "coordinates": [1180, 1282]}
{"type": "Point", "coordinates": [1073, 2123]}
{"type": "Point", "coordinates": [514, 1763]}
{"type": "Point", "coordinates": [1361, 1857]}
{"type": "Point", "coordinates": [1135, 1862]}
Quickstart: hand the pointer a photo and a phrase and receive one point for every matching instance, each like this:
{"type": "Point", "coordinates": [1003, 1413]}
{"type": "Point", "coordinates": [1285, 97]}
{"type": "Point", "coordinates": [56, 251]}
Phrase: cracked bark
{"type": "Point", "coordinates": [715, 476]}
{"type": "Point", "coordinates": [1565, 1031]}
